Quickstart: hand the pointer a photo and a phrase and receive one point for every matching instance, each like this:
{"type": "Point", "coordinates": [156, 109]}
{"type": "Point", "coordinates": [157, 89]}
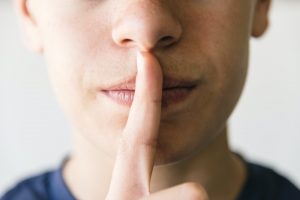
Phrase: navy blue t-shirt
{"type": "Point", "coordinates": [262, 184]}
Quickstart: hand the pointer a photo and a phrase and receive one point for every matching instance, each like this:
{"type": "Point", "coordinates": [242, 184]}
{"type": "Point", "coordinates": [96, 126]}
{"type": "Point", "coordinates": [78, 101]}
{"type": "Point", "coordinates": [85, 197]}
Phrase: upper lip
{"type": "Point", "coordinates": [168, 83]}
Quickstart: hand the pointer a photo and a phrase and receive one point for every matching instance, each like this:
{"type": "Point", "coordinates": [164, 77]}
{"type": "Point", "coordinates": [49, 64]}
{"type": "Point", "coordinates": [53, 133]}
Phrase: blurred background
{"type": "Point", "coordinates": [265, 127]}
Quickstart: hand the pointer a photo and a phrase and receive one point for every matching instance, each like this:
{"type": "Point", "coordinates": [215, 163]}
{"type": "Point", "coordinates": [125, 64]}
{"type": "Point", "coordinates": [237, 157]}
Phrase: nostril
{"type": "Point", "coordinates": [167, 38]}
{"type": "Point", "coordinates": [166, 41]}
{"type": "Point", "coordinates": [126, 41]}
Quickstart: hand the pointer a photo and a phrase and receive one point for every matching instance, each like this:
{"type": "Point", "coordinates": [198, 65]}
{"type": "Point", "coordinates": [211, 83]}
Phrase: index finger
{"type": "Point", "coordinates": [136, 154]}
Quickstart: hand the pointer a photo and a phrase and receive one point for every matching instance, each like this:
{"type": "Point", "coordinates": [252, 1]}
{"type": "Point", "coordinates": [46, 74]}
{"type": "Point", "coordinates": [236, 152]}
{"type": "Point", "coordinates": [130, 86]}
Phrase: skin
{"type": "Point", "coordinates": [144, 151]}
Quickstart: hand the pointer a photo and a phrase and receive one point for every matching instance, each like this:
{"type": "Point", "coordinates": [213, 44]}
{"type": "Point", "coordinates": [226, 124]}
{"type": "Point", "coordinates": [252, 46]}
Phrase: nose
{"type": "Point", "coordinates": [145, 25]}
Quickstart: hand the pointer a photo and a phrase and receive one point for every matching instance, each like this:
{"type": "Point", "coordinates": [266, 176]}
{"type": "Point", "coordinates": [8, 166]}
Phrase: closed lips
{"type": "Point", "coordinates": [168, 83]}
{"type": "Point", "coordinates": [174, 91]}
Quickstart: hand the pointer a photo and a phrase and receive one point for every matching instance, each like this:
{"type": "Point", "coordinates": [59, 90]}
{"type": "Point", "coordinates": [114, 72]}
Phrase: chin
{"type": "Point", "coordinates": [171, 155]}
{"type": "Point", "coordinates": [170, 152]}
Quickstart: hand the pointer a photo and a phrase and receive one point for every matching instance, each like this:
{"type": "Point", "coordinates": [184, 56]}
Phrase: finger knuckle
{"type": "Point", "coordinates": [194, 191]}
{"type": "Point", "coordinates": [157, 100]}
{"type": "Point", "coordinates": [132, 141]}
{"type": "Point", "coordinates": [125, 145]}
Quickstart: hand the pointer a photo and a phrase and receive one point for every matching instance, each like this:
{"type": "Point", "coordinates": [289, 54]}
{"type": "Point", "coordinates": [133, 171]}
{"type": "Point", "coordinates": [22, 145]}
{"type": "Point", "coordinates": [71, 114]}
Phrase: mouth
{"type": "Point", "coordinates": [174, 91]}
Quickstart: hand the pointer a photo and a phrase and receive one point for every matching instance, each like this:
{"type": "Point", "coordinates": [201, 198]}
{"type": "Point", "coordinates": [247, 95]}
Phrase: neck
{"type": "Point", "coordinates": [88, 172]}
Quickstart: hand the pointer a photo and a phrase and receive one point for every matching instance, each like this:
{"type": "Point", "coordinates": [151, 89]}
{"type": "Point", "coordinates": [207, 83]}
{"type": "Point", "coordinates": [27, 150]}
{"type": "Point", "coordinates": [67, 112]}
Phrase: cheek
{"type": "Point", "coordinates": [222, 51]}
{"type": "Point", "coordinates": [227, 43]}
{"type": "Point", "coordinates": [224, 40]}
{"type": "Point", "coordinates": [77, 56]}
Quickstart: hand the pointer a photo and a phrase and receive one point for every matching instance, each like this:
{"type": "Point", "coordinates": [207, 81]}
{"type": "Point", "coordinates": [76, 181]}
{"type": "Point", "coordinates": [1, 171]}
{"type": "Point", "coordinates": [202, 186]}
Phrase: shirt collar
{"type": "Point", "coordinates": [58, 188]}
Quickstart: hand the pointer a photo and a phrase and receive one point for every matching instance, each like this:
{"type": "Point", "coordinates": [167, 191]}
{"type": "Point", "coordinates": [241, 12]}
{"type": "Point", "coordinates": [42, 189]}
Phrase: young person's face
{"type": "Point", "coordinates": [90, 45]}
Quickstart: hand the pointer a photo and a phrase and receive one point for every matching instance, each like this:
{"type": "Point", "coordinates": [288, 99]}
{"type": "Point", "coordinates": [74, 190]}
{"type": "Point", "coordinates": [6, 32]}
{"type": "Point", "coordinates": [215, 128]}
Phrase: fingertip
{"type": "Point", "coordinates": [149, 78]}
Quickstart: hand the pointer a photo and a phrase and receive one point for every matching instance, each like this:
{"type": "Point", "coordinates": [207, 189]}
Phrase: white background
{"type": "Point", "coordinates": [265, 127]}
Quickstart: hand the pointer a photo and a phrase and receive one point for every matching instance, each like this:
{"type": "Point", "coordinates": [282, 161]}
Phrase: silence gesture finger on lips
{"type": "Point", "coordinates": [136, 154]}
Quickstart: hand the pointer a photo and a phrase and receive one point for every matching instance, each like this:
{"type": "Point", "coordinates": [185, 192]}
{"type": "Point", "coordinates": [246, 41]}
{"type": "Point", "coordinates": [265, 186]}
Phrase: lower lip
{"type": "Point", "coordinates": [170, 96]}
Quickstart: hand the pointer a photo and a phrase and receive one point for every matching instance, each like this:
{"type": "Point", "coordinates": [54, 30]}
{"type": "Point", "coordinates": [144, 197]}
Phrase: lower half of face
{"type": "Point", "coordinates": [185, 126]}
{"type": "Point", "coordinates": [213, 49]}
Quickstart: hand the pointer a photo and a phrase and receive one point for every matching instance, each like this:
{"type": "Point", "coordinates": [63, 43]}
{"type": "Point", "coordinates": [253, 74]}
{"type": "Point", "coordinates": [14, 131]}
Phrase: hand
{"type": "Point", "coordinates": [136, 154]}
